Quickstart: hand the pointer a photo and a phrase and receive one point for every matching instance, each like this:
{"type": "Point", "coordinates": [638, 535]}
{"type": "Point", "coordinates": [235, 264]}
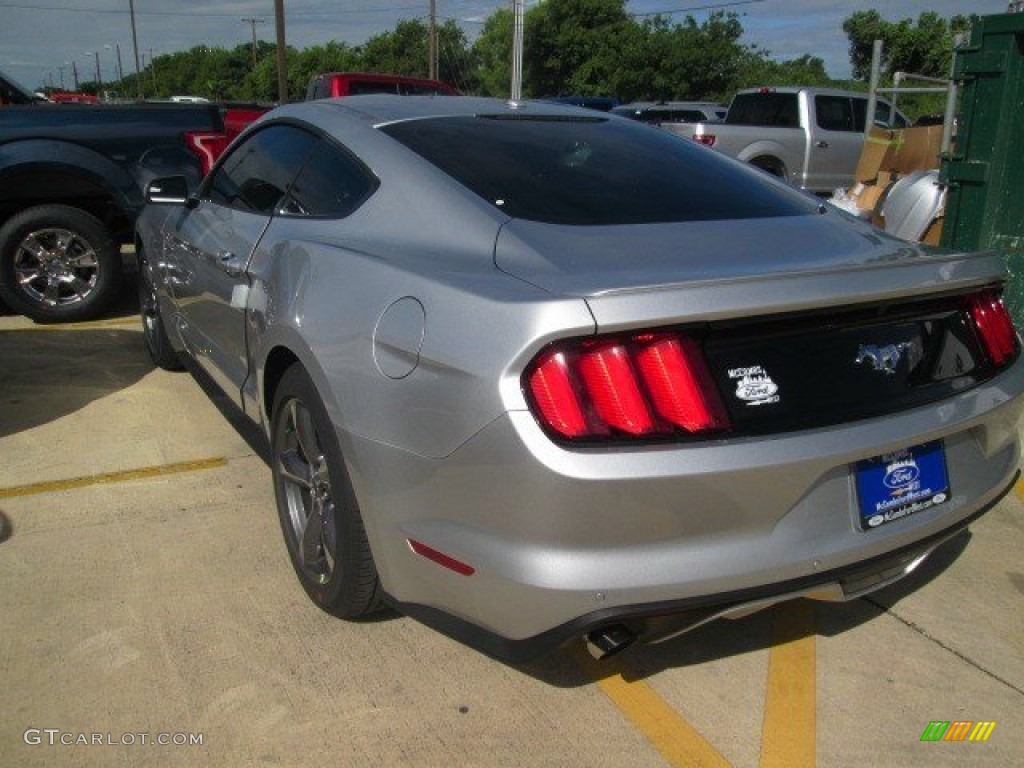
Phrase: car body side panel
{"type": "Point", "coordinates": [475, 321]}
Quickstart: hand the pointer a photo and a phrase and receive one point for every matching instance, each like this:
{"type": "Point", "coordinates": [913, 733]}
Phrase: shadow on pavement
{"type": "Point", "coordinates": [47, 374]}
{"type": "Point", "coordinates": [732, 637]}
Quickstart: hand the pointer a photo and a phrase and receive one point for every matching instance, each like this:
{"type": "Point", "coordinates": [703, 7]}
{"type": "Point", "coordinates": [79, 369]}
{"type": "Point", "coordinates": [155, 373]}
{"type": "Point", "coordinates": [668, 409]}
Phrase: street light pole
{"type": "Point", "coordinates": [99, 80]}
{"type": "Point", "coordinates": [117, 47]}
{"type": "Point", "coordinates": [517, 50]}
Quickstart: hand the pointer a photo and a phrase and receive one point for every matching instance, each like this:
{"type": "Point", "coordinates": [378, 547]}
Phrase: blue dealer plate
{"type": "Point", "coordinates": [897, 484]}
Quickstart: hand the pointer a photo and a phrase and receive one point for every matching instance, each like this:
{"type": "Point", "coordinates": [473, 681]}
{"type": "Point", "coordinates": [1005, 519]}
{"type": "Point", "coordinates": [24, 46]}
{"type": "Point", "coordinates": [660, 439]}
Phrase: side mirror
{"type": "Point", "coordinates": [168, 190]}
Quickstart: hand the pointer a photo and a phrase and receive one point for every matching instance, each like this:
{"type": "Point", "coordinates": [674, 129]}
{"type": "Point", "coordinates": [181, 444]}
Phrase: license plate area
{"type": "Point", "coordinates": [901, 483]}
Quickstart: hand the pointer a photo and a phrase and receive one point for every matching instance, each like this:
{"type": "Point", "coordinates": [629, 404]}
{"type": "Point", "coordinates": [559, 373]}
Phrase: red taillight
{"type": "Point", "coordinates": [207, 147]}
{"type": "Point", "coordinates": [648, 385]}
{"type": "Point", "coordinates": [613, 388]}
{"type": "Point", "coordinates": [555, 397]}
{"type": "Point", "coordinates": [707, 139]}
{"type": "Point", "coordinates": [679, 383]}
{"type": "Point", "coordinates": [994, 326]}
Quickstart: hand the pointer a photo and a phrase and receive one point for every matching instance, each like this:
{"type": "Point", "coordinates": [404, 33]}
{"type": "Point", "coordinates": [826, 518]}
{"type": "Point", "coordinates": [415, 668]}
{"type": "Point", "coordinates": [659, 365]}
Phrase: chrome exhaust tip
{"type": "Point", "coordinates": [606, 642]}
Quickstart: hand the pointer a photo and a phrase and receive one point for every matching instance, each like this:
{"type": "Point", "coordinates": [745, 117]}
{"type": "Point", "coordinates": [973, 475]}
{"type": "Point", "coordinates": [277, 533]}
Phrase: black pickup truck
{"type": "Point", "coordinates": [72, 179]}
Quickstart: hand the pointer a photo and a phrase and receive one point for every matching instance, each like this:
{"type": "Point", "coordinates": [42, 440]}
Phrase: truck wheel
{"type": "Point", "coordinates": [770, 165]}
{"type": "Point", "coordinates": [316, 503]}
{"type": "Point", "coordinates": [58, 264]}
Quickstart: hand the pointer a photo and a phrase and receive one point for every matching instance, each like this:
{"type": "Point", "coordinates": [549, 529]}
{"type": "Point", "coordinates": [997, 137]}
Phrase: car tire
{"type": "Point", "coordinates": [58, 264]}
{"type": "Point", "coordinates": [154, 333]}
{"type": "Point", "coordinates": [320, 519]}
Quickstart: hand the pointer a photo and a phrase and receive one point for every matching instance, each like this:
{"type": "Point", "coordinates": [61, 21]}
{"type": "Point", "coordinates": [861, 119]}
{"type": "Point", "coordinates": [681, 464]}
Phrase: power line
{"type": "Point", "coordinates": [207, 14]}
{"type": "Point", "coordinates": [712, 7]}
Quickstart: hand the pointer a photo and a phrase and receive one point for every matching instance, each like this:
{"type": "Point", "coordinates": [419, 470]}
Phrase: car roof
{"type": "Point", "coordinates": [379, 109]}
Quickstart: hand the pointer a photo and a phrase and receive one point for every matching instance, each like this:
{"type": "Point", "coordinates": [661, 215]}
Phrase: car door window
{"type": "Point", "coordinates": [256, 175]}
{"type": "Point", "coordinates": [835, 113]}
{"type": "Point", "coordinates": [332, 183]}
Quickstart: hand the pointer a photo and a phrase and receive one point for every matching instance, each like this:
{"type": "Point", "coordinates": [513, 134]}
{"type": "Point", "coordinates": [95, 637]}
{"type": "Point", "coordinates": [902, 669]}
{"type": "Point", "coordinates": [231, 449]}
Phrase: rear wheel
{"type": "Point", "coordinates": [319, 516]}
{"type": "Point", "coordinates": [58, 264]}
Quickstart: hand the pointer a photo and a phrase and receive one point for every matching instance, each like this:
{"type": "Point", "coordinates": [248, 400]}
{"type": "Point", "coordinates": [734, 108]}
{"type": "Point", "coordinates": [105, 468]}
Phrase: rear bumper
{"type": "Point", "coordinates": [658, 622]}
{"type": "Point", "coordinates": [564, 541]}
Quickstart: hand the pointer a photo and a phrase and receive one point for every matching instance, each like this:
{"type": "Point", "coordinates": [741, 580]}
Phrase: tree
{"type": "Point", "coordinates": [924, 48]}
{"type": "Point", "coordinates": [565, 48]}
{"type": "Point", "coordinates": [493, 54]}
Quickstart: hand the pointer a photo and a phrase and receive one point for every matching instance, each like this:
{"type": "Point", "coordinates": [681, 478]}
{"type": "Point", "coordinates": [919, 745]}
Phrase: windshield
{"type": "Point", "coordinates": [592, 171]}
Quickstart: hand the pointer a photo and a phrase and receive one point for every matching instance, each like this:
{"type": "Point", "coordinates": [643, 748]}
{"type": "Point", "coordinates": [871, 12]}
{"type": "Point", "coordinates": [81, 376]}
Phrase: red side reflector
{"type": "Point", "coordinates": [207, 146]}
{"type": "Point", "coordinates": [441, 558]}
{"type": "Point", "coordinates": [707, 139]}
{"type": "Point", "coordinates": [994, 326]}
{"type": "Point", "coordinates": [680, 385]}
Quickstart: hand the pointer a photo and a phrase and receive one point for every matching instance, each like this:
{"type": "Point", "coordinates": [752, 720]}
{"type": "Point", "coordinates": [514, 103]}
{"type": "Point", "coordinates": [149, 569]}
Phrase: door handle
{"type": "Point", "coordinates": [822, 144]}
{"type": "Point", "coordinates": [230, 263]}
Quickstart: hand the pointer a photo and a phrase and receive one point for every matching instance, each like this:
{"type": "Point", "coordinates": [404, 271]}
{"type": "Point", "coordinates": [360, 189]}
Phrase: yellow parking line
{"type": "Point", "coordinates": [789, 730]}
{"type": "Point", "coordinates": [112, 477]}
{"type": "Point", "coordinates": [676, 740]}
{"type": "Point", "coordinates": [114, 322]}
{"type": "Point", "coordinates": [1019, 488]}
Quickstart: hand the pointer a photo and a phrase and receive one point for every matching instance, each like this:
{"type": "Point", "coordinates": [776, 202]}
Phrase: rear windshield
{"type": "Point", "coordinates": [775, 109]}
{"type": "Point", "coordinates": [592, 171]}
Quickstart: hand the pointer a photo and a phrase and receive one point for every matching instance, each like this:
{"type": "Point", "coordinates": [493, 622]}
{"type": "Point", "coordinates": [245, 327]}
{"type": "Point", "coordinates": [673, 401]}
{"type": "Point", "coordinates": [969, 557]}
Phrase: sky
{"type": "Point", "coordinates": [39, 39]}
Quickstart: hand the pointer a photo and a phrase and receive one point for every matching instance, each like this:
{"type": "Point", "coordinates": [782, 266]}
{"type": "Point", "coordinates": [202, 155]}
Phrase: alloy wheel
{"type": "Point", "coordinates": [56, 267]}
{"type": "Point", "coordinates": [301, 466]}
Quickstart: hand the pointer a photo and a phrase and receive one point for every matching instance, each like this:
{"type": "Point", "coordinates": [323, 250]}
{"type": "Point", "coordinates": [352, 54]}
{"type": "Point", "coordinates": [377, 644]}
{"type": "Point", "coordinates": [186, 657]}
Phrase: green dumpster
{"type": "Point", "coordinates": [985, 173]}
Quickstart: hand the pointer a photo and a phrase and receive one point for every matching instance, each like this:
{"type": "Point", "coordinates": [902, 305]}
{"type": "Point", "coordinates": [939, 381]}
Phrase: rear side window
{"type": "Point", "coordinates": [592, 171]}
{"type": "Point", "coordinates": [256, 174]}
{"type": "Point", "coordinates": [363, 88]}
{"type": "Point", "coordinates": [834, 113]}
{"type": "Point", "coordinates": [778, 109]}
{"type": "Point", "coordinates": [332, 184]}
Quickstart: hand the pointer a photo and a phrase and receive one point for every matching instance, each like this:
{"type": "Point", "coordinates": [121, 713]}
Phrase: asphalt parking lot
{"type": "Point", "coordinates": [151, 617]}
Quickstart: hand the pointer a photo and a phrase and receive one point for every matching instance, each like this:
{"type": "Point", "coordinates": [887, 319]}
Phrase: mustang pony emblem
{"type": "Point", "coordinates": [885, 359]}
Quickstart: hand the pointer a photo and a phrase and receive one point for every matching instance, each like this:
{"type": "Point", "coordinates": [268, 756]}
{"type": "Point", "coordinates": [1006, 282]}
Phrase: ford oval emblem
{"type": "Point", "coordinates": [901, 474]}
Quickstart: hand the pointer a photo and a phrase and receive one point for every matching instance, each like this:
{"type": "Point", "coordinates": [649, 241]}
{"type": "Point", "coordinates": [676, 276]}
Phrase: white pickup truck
{"type": "Point", "coordinates": [811, 137]}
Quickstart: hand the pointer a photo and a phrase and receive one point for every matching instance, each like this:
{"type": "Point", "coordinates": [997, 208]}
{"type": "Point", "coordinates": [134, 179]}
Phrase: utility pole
{"type": "Point", "coordinates": [61, 70]}
{"type": "Point", "coordinates": [254, 21]}
{"type": "Point", "coordinates": [135, 47]}
{"type": "Point", "coordinates": [74, 72]}
{"type": "Point", "coordinates": [282, 54]}
{"type": "Point", "coordinates": [432, 53]}
{"type": "Point", "coordinates": [99, 80]}
{"type": "Point", "coordinates": [152, 69]}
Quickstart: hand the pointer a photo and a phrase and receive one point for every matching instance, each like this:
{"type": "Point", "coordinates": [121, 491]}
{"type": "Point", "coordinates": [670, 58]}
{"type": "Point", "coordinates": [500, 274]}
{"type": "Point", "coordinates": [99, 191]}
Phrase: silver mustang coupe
{"type": "Point", "coordinates": [531, 373]}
